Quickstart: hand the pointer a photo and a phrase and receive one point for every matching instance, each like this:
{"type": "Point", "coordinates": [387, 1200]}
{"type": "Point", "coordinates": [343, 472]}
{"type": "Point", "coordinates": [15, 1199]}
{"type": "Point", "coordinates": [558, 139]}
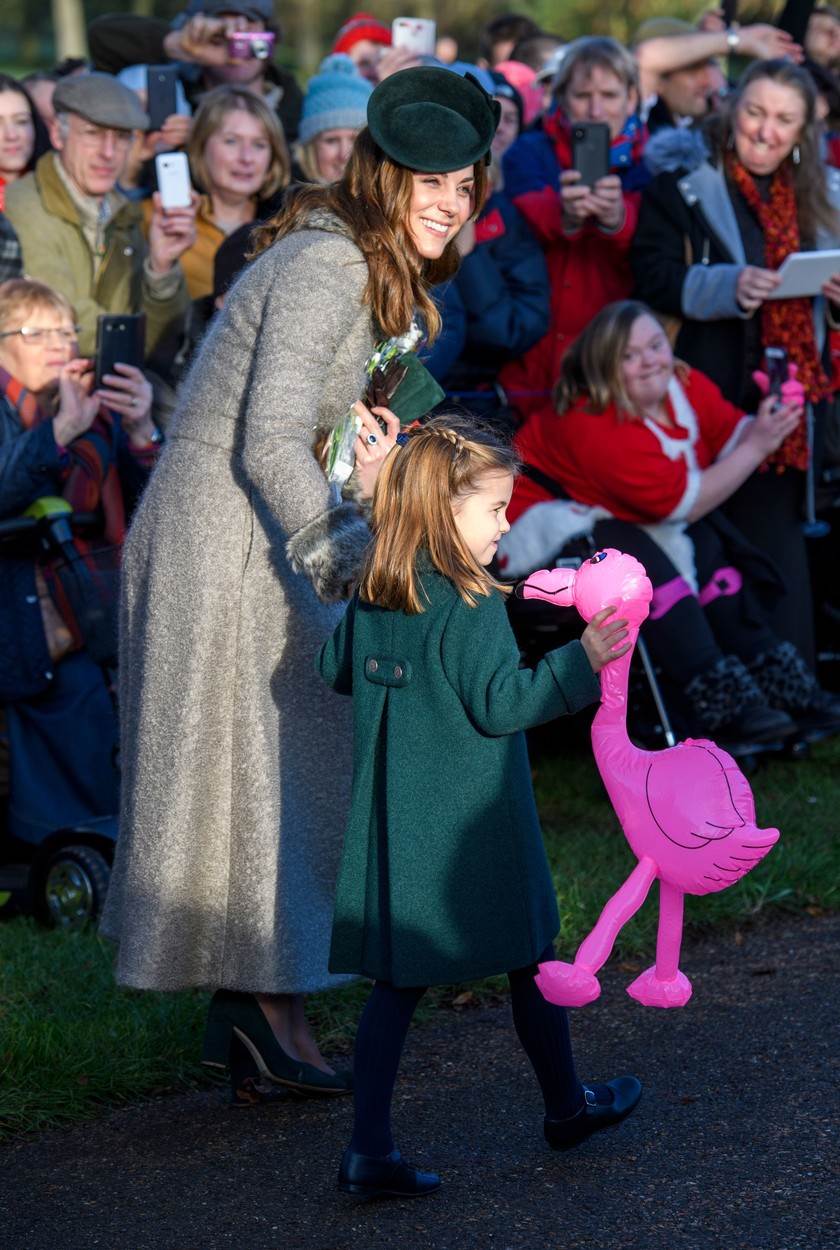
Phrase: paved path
{"type": "Point", "coordinates": [734, 1146]}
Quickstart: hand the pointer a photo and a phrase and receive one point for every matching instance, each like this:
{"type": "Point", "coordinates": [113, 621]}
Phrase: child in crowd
{"type": "Point", "coordinates": [444, 875]}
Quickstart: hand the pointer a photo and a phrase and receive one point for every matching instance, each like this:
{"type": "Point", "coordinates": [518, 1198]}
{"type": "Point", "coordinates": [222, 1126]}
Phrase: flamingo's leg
{"type": "Point", "coordinates": [574, 985]}
{"type": "Point", "coordinates": [664, 985]}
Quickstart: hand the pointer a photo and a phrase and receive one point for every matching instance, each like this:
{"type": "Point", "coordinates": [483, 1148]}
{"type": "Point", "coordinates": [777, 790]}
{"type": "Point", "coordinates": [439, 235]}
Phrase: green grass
{"type": "Point", "coordinates": [72, 1042]}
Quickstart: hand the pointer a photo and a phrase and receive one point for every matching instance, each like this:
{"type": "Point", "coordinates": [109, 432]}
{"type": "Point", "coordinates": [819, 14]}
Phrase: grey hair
{"type": "Point", "coordinates": [598, 50]}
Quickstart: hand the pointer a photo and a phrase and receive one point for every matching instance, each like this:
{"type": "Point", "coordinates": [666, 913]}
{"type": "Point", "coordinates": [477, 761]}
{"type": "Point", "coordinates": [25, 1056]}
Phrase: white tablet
{"type": "Point", "coordinates": [803, 273]}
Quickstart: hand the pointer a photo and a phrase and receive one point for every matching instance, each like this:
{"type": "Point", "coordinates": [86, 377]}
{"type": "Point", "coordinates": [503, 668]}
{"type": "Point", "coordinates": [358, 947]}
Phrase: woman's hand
{"type": "Point", "coordinates": [773, 423]}
{"type": "Point", "coordinates": [599, 639]}
{"type": "Point", "coordinates": [831, 289]}
{"type": "Point", "coordinates": [575, 198]}
{"type": "Point", "coordinates": [129, 393]}
{"type": "Point", "coordinates": [608, 202]}
{"type": "Point", "coordinates": [171, 232]}
{"type": "Point", "coordinates": [77, 408]}
{"type": "Point", "coordinates": [372, 445]}
{"type": "Point", "coordinates": [754, 285]}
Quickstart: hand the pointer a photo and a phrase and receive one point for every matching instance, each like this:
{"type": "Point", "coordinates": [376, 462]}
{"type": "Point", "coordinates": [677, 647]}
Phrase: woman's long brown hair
{"type": "Point", "coordinates": [441, 463]}
{"type": "Point", "coordinates": [373, 199]}
{"type": "Point", "coordinates": [814, 209]}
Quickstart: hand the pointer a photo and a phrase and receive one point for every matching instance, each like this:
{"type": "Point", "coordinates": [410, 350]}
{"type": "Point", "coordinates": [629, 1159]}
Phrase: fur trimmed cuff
{"type": "Point", "coordinates": [329, 550]}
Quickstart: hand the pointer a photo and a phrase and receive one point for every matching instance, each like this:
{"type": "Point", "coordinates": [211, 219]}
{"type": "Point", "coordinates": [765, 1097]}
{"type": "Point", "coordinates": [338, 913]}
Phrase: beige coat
{"type": "Point", "coordinates": [55, 251]}
{"type": "Point", "coordinates": [236, 759]}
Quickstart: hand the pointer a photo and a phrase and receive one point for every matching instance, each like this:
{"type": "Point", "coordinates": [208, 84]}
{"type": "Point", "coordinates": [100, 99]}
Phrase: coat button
{"type": "Point", "coordinates": [48, 675]}
{"type": "Point", "coordinates": [128, 251]}
{"type": "Point", "coordinates": [372, 666]}
{"type": "Point", "coordinates": [31, 598]}
{"type": "Point", "coordinates": [398, 671]}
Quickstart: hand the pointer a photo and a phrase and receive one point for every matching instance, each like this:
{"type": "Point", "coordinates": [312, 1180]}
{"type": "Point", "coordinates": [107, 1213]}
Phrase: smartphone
{"type": "Point", "coordinates": [415, 34]}
{"type": "Point", "coordinates": [120, 340]}
{"type": "Point", "coordinates": [173, 179]}
{"type": "Point", "coordinates": [591, 151]}
{"type": "Point", "coordinates": [161, 99]}
{"type": "Point", "coordinates": [776, 368]}
{"type": "Point", "coordinates": [244, 45]}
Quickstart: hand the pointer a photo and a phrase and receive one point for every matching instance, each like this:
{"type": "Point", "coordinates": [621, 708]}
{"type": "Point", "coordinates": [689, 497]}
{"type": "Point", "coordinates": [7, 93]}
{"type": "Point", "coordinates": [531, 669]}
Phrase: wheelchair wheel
{"type": "Point", "coordinates": [74, 885]}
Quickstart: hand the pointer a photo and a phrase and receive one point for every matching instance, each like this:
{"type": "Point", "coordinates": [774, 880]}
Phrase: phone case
{"type": "Point", "coordinates": [415, 34]}
{"type": "Point", "coordinates": [120, 339]}
{"type": "Point", "coordinates": [173, 179]}
{"type": "Point", "coordinates": [161, 98]}
{"type": "Point", "coordinates": [591, 151]}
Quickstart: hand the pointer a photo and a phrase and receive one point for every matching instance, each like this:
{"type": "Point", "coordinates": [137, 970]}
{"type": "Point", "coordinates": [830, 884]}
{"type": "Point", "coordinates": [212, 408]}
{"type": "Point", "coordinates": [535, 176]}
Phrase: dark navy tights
{"type": "Point", "coordinates": [542, 1029]}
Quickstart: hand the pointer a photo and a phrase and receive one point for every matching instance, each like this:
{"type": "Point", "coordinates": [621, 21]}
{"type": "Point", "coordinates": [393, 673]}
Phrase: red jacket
{"type": "Point", "coordinates": [587, 269]}
{"type": "Point", "coordinates": [637, 470]}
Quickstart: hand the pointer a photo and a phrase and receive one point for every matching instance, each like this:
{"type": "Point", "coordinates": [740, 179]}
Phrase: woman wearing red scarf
{"type": "Point", "coordinates": [95, 450]}
{"type": "Point", "coordinates": [723, 211]}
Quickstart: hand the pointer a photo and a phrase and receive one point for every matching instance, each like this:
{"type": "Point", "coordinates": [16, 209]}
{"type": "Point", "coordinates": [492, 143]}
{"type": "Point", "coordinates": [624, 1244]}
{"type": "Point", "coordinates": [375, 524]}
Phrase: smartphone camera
{"type": "Point", "coordinates": [247, 44]}
{"type": "Point", "coordinates": [776, 368]}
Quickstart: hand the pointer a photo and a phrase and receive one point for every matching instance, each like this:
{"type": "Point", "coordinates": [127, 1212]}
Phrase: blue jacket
{"type": "Point", "coordinates": [498, 302]}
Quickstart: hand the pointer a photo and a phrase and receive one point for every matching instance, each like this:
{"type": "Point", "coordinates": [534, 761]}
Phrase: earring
{"type": "Point", "coordinates": [796, 154]}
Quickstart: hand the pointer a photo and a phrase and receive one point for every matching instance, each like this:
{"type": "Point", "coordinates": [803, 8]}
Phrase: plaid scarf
{"type": "Point", "coordinates": [787, 323]}
{"type": "Point", "coordinates": [90, 483]}
{"type": "Point", "coordinates": [626, 149]}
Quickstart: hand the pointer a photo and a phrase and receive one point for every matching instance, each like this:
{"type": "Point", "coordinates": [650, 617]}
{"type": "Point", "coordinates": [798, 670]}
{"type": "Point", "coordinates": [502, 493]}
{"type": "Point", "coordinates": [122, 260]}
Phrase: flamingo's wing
{"type": "Point", "coordinates": [696, 794]}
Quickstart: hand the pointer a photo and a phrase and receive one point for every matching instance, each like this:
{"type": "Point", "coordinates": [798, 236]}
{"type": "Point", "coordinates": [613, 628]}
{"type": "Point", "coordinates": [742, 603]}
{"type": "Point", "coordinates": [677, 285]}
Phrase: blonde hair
{"type": "Point", "coordinates": [600, 51]}
{"type": "Point", "coordinates": [308, 161]}
{"type": "Point", "coordinates": [441, 464]}
{"type": "Point", "coordinates": [214, 107]}
{"type": "Point", "coordinates": [19, 297]}
{"type": "Point", "coordinates": [591, 368]}
{"type": "Point", "coordinates": [373, 198]}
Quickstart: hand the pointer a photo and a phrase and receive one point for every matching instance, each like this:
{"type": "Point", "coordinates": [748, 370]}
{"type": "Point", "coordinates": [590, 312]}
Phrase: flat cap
{"type": "Point", "coordinates": [100, 99]}
{"type": "Point", "coordinates": [432, 120]}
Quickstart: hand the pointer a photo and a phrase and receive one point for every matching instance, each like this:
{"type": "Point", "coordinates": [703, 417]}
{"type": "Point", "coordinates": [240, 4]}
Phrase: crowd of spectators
{"type": "Point", "coordinates": [723, 146]}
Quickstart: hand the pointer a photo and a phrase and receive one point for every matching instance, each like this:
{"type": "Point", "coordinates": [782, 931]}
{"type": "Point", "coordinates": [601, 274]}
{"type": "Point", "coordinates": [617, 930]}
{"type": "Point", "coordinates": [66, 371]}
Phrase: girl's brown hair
{"type": "Point", "coordinates": [591, 368]}
{"type": "Point", "coordinates": [210, 116]}
{"type": "Point", "coordinates": [372, 199]}
{"type": "Point", "coordinates": [813, 206]}
{"type": "Point", "coordinates": [441, 464]}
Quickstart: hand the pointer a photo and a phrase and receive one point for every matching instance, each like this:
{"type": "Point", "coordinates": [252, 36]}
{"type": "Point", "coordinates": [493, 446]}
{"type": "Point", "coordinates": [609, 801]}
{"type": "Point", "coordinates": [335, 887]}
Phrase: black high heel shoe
{"type": "Point", "coordinates": [238, 1018]}
{"type": "Point", "coordinates": [593, 1116]}
{"type": "Point", "coordinates": [247, 1087]}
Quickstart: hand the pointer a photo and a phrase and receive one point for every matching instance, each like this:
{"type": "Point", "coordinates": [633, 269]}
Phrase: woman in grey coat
{"type": "Point", "coordinates": [236, 760]}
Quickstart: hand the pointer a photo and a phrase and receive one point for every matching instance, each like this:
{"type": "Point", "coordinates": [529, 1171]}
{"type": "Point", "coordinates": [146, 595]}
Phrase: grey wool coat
{"type": "Point", "coordinates": [444, 876]}
{"type": "Point", "coordinates": [236, 759]}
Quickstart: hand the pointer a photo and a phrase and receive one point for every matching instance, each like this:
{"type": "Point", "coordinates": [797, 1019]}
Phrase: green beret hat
{"type": "Point", "coordinates": [433, 120]}
{"type": "Point", "coordinates": [100, 99]}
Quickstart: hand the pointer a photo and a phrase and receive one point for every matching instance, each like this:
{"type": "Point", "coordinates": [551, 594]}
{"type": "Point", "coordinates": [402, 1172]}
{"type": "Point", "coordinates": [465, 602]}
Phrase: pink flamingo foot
{"type": "Point", "coordinates": [567, 985]}
{"type": "Point", "coordinates": [649, 990]}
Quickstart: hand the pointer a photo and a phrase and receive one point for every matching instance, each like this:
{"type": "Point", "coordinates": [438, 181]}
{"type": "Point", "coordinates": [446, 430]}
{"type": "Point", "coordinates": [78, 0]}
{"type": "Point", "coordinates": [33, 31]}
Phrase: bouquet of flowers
{"type": "Point", "coordinates": [396, 380]}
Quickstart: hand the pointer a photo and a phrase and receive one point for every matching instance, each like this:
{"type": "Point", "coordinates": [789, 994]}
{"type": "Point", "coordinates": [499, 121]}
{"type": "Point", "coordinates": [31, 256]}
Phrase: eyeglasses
{"type": "Point", "coordinates": [40, 334]}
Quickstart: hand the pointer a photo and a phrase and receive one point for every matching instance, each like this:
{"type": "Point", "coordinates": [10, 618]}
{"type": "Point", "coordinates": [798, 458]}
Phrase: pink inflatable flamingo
{"type": "Point", "coordinates": [687, 812]}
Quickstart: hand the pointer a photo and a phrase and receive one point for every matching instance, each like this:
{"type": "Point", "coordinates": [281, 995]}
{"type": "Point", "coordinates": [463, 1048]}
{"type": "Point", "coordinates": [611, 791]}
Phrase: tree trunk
{"type": "Point", "coordinates": [69, 26]}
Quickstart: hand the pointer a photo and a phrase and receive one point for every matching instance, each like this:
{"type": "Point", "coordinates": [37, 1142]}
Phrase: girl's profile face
{"type": "Point", "coordinates": [440, 204]}
{"type": "Point", "coordinates": [480, 518]}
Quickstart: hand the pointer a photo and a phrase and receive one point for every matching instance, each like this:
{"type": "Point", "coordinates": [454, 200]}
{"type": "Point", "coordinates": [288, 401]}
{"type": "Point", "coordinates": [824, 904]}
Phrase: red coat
{"type": "Point", "coordinates": [635, 469]}
{"type": "Point", "coordinates": [587, 269]}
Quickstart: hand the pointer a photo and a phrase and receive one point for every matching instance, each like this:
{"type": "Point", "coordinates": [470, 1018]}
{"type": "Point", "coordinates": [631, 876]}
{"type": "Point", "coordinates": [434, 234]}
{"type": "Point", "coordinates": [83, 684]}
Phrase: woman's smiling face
{"type": "Point", "coordinates": [440, 204]}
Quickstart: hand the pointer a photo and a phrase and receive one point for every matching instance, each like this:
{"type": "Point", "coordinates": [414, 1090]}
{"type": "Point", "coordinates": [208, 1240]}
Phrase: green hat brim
{"type": "Point", "coordinates": [432, 120]}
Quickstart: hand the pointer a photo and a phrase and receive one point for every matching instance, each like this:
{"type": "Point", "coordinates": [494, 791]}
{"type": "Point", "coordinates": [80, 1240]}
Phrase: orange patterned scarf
{"type": "Point", "coordinates": [787, 323]}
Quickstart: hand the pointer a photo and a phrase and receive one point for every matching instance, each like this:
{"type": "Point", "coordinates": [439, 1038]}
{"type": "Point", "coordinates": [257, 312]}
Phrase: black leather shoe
{"type": "Point", "coordinates": [565, 1134]}
{"type": "Point", "coordinates": [367, 1176]}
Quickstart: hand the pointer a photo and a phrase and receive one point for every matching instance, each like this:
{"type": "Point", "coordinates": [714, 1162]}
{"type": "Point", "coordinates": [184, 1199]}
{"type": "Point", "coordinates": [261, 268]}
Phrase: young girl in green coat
{"type": "Point", "coordinates": [444, 876]}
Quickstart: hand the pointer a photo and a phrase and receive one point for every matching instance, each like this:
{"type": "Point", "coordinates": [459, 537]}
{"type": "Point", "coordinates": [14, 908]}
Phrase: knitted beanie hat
{"type": "Point", "coordinates": [362, 26]}
{"type": "Point", "coordinates": [336, 99]}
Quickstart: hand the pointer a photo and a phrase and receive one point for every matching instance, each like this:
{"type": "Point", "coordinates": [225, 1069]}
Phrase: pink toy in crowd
{"type": "Point", "coordinates": [687, 812]}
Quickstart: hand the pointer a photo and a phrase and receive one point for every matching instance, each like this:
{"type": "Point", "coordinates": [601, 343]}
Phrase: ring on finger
{"type": "Point", "coordinates": [371, 438]}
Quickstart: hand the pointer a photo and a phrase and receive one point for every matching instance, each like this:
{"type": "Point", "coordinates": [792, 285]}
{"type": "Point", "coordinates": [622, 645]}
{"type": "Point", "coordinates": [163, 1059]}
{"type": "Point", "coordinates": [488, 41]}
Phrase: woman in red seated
{"type": "Point", "coordinates": [654, 448]}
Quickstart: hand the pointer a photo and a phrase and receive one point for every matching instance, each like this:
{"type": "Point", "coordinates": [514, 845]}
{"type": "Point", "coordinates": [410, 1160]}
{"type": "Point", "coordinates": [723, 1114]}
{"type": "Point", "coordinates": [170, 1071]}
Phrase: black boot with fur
{"type": "Point", "coordinates": [729, 706]}
{"type": "Point", "coordinates": [789, 684]}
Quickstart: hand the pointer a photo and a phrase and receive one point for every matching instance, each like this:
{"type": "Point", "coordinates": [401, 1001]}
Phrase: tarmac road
{"type": "Point", "coordinates": [733, 1147]}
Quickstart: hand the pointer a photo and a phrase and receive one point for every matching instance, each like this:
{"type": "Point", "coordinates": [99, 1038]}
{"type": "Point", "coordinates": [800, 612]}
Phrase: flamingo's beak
{"type": "Point", "coordinates": [553, 585]}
